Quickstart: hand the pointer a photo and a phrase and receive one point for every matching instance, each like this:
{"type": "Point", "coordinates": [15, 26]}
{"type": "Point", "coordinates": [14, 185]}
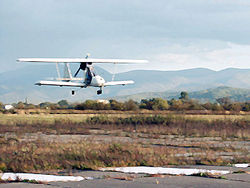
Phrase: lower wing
{"type": "Point", "coordinates": [114, 83]}
{"type": "Point", "coordinates": [60, 83]}
{"type": "Point", "coordinates": [77, 84]}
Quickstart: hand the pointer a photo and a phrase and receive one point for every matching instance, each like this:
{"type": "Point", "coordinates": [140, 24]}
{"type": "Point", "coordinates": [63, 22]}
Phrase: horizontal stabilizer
{"type": "Point", "coordinates": [60, 83]}
{"type": "Point", "coordinates": [80, 60]}
{"type": "Point", "coordinates": [114, 83]}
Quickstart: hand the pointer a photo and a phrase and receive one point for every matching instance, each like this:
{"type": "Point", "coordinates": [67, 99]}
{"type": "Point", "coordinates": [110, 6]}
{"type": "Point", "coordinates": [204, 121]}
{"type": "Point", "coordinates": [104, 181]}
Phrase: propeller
{"type": "Point", "coordinates": [82, 67]}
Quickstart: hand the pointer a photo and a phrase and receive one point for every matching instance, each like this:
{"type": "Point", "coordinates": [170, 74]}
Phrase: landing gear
{"type": "Point", "coordinates": [73, 92]}
{"type": "Point", "coordinates": [99, 92]}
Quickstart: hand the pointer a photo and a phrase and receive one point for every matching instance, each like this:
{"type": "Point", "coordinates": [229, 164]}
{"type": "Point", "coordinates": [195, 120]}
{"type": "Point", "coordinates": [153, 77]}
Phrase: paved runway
{"type": "Point", "coordinates": [115, 179]}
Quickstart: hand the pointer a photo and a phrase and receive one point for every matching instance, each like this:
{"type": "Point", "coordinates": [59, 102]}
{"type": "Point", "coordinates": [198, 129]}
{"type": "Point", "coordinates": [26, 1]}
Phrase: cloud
{"type": "Point", "coordinates": [175, 30]}
{"type": "Point", "coordinates": [233, 55]}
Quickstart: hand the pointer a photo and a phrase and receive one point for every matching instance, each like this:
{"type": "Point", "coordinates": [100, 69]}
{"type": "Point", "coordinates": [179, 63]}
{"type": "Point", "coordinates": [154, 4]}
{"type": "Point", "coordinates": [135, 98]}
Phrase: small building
{"type": "Point", "coordinates": [8, 107]}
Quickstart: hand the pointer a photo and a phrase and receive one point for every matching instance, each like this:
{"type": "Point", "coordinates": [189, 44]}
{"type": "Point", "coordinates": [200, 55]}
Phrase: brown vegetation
{"type": "Point", "coordinates": [153, 124]}
{"type": "Point", "coordinates": [154, 140]}
{"type": "Point", "coordinates": [38, 156]}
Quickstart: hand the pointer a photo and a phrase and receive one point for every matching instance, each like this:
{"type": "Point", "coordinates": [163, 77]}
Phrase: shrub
{"type": "Point", "coordinates": [115, 105]}
{"type": "Point", "coordinates": [154, 104]}
{"type": "Point", "coordinates": [131, 105]}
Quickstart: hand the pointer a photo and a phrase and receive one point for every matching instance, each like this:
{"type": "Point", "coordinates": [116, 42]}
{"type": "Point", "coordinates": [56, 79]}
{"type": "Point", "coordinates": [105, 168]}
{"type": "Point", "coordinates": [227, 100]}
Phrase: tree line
{"type": "Point", "coordinates": [183, 103]}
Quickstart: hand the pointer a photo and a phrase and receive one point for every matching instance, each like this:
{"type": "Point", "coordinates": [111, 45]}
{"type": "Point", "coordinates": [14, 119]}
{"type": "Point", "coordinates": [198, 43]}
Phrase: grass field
{"type": "Point", "coordinates": [51, 118]}
{"type": "Point", "coordinates": [88, 141]}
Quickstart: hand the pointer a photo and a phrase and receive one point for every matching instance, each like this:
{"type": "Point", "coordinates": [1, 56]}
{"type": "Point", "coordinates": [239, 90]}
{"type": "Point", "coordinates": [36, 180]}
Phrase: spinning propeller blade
{"type": "Point", "coordinates": [82, 67]}
{"type": "Point", "coordinates": [77, 71]}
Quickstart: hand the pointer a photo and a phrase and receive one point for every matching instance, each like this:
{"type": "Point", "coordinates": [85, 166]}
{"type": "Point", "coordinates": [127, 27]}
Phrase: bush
{"type": "Point", "coordinates": [154, 104]}
{"type": "Point", "coordinates": [176, 104]}
{"type": "Point", "coordinates": [246, 107]}
{"type": "Point", "coordinates": [115, 105]}
{"type": "Point", "coordinates": [131, 105]}
{"type": "Point", "coordinates": [63, 104]}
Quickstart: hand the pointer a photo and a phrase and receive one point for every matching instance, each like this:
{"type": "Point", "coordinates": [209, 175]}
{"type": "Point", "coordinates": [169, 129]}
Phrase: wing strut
{"type": "Point", "coordinates": [58, 71]}
{"type": "Point", "coordinates": [67, 72]}
{"type": "Point", "coordinates": [113, 76]}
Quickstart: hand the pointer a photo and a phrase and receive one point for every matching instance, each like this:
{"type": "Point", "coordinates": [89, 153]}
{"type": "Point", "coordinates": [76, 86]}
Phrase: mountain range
{"type": "Point", "coordinates": [18, 85]}
{"type": "Point", "coordinates": [207, 95]}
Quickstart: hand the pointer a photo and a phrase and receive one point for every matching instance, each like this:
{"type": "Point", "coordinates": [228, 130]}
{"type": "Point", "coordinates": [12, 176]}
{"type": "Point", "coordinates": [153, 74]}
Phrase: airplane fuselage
{"type": "Point", "coordinates": [96, 81]}
{"type": "Point", "coordinates": [91, 79]}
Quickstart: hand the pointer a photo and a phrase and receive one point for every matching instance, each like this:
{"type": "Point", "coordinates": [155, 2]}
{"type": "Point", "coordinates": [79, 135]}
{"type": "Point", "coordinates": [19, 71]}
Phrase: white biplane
{"type": "Point", "coordinates": [89, 80]}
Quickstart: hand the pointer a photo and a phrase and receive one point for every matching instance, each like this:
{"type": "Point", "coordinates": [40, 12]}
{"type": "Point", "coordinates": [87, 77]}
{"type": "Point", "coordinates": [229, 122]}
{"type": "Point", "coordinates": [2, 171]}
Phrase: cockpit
{"type": "Point", "coordinates": [89, 75]}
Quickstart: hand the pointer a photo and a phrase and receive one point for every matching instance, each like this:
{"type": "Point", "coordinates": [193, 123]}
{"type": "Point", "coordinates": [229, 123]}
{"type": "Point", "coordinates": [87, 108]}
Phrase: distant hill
{"type": "Point", "coordinates": [235, 94]}
{"type": "Point", "coordinates": [18, 84]}
{"type": "Point", "coordinates": [191, 79]}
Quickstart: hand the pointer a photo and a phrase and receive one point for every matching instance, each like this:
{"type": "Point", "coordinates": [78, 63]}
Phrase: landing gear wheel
{"type": "Point", "coordinates": [99, 92]}
{"type": "Point", "coordinates": [73, 92]}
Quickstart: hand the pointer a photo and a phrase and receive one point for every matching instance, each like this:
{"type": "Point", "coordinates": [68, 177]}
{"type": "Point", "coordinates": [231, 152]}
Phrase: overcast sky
{"type": "Point", "coordinates": [171, 34]}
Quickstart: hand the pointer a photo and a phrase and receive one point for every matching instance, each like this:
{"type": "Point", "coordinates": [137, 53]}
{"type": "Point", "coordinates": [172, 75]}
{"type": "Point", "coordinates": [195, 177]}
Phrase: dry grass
{"type": "Point", "coordinates": [51, 118]}
{"type": "Point", "coordinates": [153, 124]}
{"type": "Point", "coordinates": [38, 156]}
{"type": "Point", "coordinates": [155, 140]}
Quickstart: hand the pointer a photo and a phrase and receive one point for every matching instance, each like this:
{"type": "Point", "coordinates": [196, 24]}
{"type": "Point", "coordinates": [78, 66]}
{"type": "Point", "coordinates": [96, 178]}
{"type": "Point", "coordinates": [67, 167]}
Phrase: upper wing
{"type": "Point", "coordinates": [113, 83]}
{"type": "Point", "coordinates": [80, 60]}
{"type": "Point", "coordinates": [59, 83]}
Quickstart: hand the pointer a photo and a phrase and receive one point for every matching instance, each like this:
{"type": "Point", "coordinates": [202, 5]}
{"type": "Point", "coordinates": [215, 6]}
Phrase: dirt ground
{"type": "Point", "coordinates": [190, 147]}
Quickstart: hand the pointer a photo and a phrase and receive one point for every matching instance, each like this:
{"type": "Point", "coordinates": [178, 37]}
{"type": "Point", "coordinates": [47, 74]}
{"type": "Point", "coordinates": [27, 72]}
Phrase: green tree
{"type": "Point", "coordinates": [89, 105]}
{"type": "Point", "coordinates": [224, 100]}
{"type": "Point", "coordinates": [235, 107]}
{"type": "Point", "coordinates": [63, 103]}
{"type": "Point", "coordinates": [246, 107]}
{"type": "Point", "coordinates": [159, 104]}
{"type": "Point", "coordinates": [30, 106]}
{"type": "Point", "coordinates": [20, 105]}
{"type": "Point", "coordinates": [102, 106]}
{"type": "Point", "coordinates": [54, 106]}
{"type": "Point", "coordinates": [194, 105]}
{"type": "Point", "coordinates": [45, 105]}
{"type": "Point", "coordinates": [207, 106]}
{"type": "Point", "coordinates": [184, 95]}
{"type": "Point", "coordinates": [144, 104]}
{"type": "Point", "coordinates": [130, 105]}
{"type": "Point", "coordinates": [217, 107]}
{"type": "Point", "coordinates": [176, 104]}
{"type": "Point", "coordinates": [115, 105]}
{"type": "Point", "coordinates": [154, 104]}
